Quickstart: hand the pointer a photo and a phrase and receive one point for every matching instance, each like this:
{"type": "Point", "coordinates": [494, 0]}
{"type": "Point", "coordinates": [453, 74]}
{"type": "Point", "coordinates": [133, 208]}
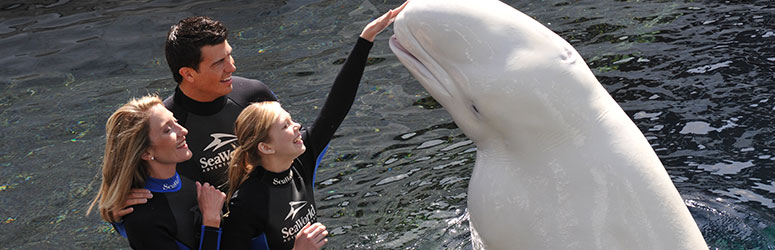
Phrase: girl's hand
{"type": "Point", "coordinates": [374, 27]}
{"type": "Point", "coordinates": [210, 203]}
{"type": "Point", "coordinates": [311, 237]}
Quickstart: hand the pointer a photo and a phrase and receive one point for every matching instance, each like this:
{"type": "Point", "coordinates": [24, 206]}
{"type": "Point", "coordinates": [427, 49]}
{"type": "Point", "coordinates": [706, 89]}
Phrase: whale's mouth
{"type": "Point", "coordinates": [417, 67]}
{"type": "Point", "coordinates": [399, 49]}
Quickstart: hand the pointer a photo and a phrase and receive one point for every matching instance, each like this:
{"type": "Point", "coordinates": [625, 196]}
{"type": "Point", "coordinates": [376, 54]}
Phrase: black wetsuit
{"type": "Point", "coordinates": [211, 128]}
{"type": "Point", "coordinates": [171, 220]}
{"type": "Point", "coordinates": [280, 204]}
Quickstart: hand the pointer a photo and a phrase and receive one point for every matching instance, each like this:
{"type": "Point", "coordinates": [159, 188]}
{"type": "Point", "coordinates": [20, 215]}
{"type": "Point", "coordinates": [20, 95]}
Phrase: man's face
{"type": "Point", "coordinates": [213, 79]}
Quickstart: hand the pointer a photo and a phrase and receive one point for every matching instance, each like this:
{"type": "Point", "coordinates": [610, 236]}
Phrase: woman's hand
{"type": "Point", "coordinates": [374, 27]}
{"type": "Point", "coordinates": [311, 237]}
{"type": "Point", "coordinates": [210, 203]}
{"type": "Point", "coordinates": [136, 196]}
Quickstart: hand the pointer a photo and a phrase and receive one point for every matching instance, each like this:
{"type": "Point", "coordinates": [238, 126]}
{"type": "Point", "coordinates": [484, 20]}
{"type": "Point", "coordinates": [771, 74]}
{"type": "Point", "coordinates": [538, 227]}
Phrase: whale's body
{"type": "Point", "coordinates": [559, 164]}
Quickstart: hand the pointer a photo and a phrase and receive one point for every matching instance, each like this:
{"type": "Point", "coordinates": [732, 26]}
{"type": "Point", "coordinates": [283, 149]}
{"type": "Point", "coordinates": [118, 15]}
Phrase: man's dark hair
{"type": "Point", "coordinates": [185, 39]}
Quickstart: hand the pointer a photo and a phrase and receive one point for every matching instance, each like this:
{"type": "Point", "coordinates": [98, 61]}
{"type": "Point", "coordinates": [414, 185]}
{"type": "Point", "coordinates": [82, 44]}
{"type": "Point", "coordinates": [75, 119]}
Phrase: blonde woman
{"type": "Point", "coordinates": [143, 145]}
{"type": "Point", "coordinates": [271, 172]}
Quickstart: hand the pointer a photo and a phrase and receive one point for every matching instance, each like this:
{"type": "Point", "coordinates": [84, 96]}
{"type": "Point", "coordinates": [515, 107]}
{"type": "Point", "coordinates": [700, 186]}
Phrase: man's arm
{"type": "Point", "coordinates": [136, 196]}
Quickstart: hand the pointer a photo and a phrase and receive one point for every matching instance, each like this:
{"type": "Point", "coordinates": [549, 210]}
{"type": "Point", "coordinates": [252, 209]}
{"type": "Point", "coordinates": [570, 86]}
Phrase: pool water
{"type": "Point", "coordinates": [697, 77]}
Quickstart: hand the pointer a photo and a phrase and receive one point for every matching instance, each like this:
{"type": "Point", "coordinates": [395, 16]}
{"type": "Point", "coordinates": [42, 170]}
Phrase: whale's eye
{"type": "Point", "coordinates": [474, 108]}
{"type": "Point", "coordinates": [567, 56]}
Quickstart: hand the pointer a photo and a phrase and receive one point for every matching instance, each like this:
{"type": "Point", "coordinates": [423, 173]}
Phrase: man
{"type": "Point", "coordinates": [207, 100]}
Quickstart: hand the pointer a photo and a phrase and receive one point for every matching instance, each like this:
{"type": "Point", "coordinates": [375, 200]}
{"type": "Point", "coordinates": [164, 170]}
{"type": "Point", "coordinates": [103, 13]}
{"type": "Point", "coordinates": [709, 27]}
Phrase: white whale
{"type": "Point", "coordinates": [559, 164]}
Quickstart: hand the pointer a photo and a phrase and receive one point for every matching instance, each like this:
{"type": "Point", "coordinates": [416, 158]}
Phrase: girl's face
{"type": "Point", "coordinates": [285, 137]}
{"type": "Point", "coordinates": [168, 138]}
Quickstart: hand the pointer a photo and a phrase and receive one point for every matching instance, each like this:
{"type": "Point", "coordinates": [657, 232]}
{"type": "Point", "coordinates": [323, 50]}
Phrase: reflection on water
{"type": "Point", "coordinates": [696, 77]}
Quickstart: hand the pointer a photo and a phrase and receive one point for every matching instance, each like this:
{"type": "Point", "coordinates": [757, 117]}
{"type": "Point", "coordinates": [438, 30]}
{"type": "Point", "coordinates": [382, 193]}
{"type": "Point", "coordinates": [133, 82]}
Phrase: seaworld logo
{"type": "Point", "coordinates": [172, 185]}
{"type": "Point", "coordinates": [220, 140]}
{"type": "Point", "coordinates": [298, 204]}
{"type": "Point", "coordinates": [219, 161]}
{"type": "Point", "coordinates": [289, 233]}
{"type": "Point", "coordinates": [283, 181]}
{"type": "Point", "coordinates": [222, 158]}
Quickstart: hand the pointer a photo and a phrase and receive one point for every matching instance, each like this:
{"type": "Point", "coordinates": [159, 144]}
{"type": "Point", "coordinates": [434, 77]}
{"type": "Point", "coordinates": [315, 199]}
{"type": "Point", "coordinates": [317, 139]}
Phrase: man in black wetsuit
{"type": "Point", "coordinates": [206, 102]}
{"type": "Point", "coordinates": [208, 98]}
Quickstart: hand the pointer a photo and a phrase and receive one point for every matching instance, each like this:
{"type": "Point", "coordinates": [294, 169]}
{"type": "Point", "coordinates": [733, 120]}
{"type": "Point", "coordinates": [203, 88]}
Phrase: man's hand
{"type": "Point", "coordinates": [136, 196]}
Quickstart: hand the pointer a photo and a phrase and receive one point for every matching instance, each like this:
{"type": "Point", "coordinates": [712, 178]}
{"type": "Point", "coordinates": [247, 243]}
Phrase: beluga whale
{"type": "Point", "coordinates": [559, 164]}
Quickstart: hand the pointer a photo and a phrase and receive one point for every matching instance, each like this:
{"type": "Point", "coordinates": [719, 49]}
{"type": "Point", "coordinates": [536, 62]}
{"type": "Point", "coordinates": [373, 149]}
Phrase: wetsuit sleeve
{"type": "Point", "coordinates": [341, 97]}
{"type": "Point", "coordinates": [119, 227]}
{"type": "Point", "coordinates": [210, 238]}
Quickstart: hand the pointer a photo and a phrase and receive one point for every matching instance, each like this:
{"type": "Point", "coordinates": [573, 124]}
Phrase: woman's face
{"type": "Point", "coordinates": [284, 136]}
{"type": "Point", "coordinates": [168, 138]}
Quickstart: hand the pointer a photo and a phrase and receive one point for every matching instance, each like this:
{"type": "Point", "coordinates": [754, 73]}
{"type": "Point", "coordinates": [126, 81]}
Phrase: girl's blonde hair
{"type": "Point", "coordinates": [251, 128]}
{"type": "Point", "coordinates": [126, 139]}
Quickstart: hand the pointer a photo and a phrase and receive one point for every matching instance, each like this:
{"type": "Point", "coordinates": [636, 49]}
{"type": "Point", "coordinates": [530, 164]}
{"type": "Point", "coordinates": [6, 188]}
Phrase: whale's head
{"type": "Point", "coordinates": [497, 71]}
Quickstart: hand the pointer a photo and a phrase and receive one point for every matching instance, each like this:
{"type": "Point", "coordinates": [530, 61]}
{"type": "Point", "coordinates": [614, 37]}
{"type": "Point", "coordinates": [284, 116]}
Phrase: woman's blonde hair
{"type": "Point", "coordinates": [126, 139]}
{"type": "Point", "coordinates": [251, 128]}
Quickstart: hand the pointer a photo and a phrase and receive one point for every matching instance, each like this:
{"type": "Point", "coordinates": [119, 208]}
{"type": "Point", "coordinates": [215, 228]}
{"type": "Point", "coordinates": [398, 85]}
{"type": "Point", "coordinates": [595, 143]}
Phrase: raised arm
{"type": "Point", "coordinates": [378, 25]}
{"type": "Point", "coordinates": [342, 94]}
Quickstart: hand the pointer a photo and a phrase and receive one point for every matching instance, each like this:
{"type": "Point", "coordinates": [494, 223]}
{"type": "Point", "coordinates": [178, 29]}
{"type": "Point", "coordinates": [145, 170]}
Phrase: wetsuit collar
{"type": "Point", "coordinates": [196, 107]}
{"type": "Point", "coordinates": [277, 179]}
{"type": "Point", "coordinates": [163, 185]}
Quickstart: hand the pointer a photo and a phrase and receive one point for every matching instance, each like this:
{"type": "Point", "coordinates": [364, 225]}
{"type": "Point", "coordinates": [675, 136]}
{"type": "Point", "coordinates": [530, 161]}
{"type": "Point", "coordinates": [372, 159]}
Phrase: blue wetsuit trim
{"type": "Point", "coordinates": [202, 235]}
{"type": "Point", "coordinates": [259, 243]}
{"type": "Point", "coordinates": [317, 164]}
{"type": "Point", "coordinates": [119, 226]}
{"type": "Point", "coordinates": [163, 185]}
{"type": "Point", "coordinates": [181, 246]}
